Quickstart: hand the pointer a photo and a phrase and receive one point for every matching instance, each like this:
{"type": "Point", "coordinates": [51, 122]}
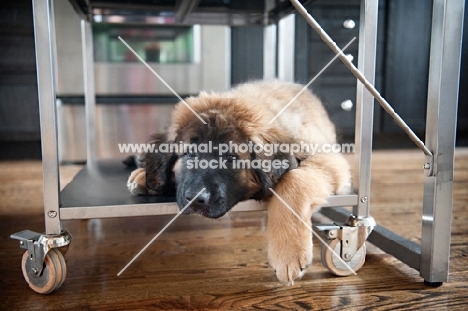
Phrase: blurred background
{"type": "Point", "coordinates": [132, 103]}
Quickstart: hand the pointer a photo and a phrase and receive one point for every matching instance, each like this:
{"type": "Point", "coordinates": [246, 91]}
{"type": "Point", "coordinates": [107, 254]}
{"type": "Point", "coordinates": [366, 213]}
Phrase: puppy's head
{"type": "Point", "coordinates": [158, 166]}
{"type": "Point", "coordinates": [228, 176]}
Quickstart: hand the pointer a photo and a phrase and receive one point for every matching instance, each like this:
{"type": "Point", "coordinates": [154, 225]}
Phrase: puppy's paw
{"type": "Point", "coordinates": [136, 183]}
{"type": "Point", "coordinates": [289, 257]}
{"type": "Point", "coordinates": [345, 188]}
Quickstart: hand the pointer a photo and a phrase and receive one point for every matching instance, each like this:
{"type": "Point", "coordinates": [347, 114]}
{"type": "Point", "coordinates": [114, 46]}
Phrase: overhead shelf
{"type": "Point", "coordinates": [185, 12]}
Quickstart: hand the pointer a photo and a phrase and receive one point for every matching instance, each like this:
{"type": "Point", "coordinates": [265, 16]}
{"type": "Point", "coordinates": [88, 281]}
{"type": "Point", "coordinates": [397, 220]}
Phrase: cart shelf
{"type": "Point", "coordinates": [99, 191]}
{"type": "Point", "coordinates": [104, 183]}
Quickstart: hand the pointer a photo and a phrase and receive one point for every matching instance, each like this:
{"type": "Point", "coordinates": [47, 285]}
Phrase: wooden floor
{"type": "Point", "coordinates": [199, 264]}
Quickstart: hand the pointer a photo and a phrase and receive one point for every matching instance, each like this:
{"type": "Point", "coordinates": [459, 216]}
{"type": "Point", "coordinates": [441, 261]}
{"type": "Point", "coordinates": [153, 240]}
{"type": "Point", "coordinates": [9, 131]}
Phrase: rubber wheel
{"type": "Point", "coordinates": [335, 265]}
{"type": "Point", "coordinates": [433, 284]}
{"type": "Point", "coordinates": [53, 275]}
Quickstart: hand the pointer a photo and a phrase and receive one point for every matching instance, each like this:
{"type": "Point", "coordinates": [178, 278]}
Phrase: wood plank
{"type": "Point", "coordinates": [199, 263]}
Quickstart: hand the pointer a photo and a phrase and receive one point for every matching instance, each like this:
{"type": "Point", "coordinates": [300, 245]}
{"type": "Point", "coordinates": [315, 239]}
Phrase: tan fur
{"type": "Point", "coordinates": [248, 108]}
{"type": "Point", "coordinates": [136, 183]}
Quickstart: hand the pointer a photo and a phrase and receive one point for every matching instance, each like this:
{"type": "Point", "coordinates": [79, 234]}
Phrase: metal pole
{"type": "Point", "coordinates": [441, 120]}
{"type": "Point", "coordinates": [286, 48]}
{"type": "Point", "coordinates": [365, 102]}
{"type": "Point", "coordinates": [44, 35]}
{"type": "Point", "coordinates": [269, 51]}
{"type": "Point", "coordinates": [270, 43]}
{"type": "Point", "coordinates": [89, 89]}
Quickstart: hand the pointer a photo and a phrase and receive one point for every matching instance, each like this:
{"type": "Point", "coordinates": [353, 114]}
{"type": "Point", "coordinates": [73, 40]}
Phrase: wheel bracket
{"type": "Point", "coordinates": [353, 234]}
{"type": "Point", "coordinates": [38, 245]}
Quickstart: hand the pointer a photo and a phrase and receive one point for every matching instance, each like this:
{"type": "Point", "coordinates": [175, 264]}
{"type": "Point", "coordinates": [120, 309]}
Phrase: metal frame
{"type": "Point", "coordinates": [110, 211]}
{"type": "Point", "coordinates": [89, 90]}
{"type": "Point", "coordinates": [44, 35]}
{"type": "Point", "coordinates": [286, 48]}
{"type": "Point", "coordinates": [431, 257]}
{"type": "Point", "coordinates": [365, 103]}
{"type": "Point", "coordinates": [446, 37]}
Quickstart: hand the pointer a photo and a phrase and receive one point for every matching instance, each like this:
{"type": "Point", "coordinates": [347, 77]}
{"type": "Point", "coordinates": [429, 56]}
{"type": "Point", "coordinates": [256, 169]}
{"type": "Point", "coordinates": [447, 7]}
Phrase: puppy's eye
{"type": "Point", "coordinates": [191, 154]}
{"type": "Point", "coordinates": [230, 157]}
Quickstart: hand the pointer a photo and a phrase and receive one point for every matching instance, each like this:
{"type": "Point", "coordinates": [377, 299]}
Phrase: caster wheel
{"type": "Point", "coordinates": [53, 275]}
{"type": "Point", "coordinates": [433, 284]}
{"type": "Point", "coordinates": [334, 265]}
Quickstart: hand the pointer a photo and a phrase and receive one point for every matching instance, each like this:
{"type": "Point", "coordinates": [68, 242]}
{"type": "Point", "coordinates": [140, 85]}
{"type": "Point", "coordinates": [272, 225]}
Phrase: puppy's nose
{"type": "Point", "coordinates": [201, 199]}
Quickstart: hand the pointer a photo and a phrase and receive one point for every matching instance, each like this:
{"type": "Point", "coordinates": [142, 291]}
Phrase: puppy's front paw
{"type": "Point", "coordinates": [290, 255]}
{"type": "Point", "coordinates": [345, 188]}
{"type": "Point", "coordinates": [136, 183]}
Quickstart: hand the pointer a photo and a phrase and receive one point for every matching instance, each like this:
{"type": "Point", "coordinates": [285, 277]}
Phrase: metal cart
{"type": "Point", "coordinates": [98, 191]}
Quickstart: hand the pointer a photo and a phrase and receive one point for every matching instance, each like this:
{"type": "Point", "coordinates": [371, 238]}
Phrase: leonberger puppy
{"type": "Point", "coordinates": [248, 116]}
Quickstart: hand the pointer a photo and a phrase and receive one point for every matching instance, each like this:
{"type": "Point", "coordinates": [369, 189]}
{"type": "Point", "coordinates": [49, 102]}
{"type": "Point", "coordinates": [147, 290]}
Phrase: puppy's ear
{"type": "Point", "coordinates": [158, 165]}
{"type": "Point", "coordinates": [273, 167]}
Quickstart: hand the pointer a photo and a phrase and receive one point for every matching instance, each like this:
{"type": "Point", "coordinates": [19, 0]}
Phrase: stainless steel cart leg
{"type": "Point", "coordinates": [349, 237]}
{"type": "Point", "coordinates": [356, 229]}
{"type": "Point", "coordinates": [43, 264]}
{"type": "Point", "coordinates": [441, 120]}
{"type": "Point", "coordinates": [44, 32]}
{"type": "Point", "coordinates": [365, 102]}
